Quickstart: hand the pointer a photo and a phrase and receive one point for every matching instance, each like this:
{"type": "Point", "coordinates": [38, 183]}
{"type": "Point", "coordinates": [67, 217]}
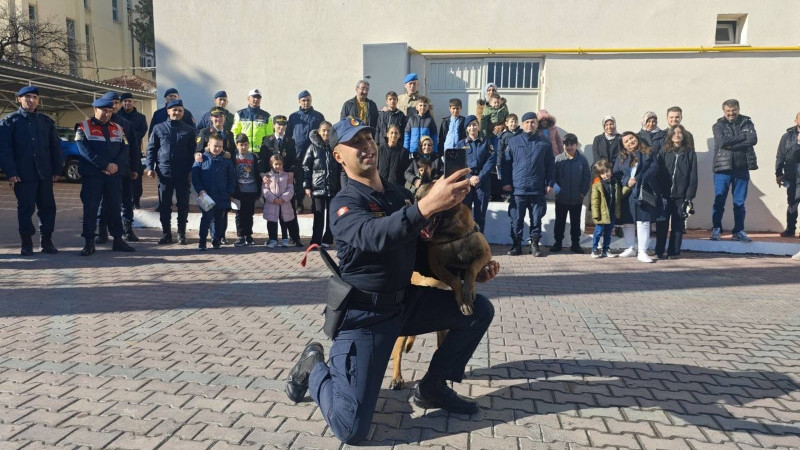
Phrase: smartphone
{"type": "Point", "coordinates": [454, 160]}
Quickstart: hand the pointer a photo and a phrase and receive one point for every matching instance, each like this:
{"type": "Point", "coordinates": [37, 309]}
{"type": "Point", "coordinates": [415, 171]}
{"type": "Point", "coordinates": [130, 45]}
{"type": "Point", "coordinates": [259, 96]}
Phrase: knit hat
{"type": "Point", "coordinates": [528, 116]}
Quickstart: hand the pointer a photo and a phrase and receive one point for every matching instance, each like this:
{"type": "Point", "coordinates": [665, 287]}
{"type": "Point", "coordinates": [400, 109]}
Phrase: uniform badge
{"type": "Point", "coordinates": [199, 138]}
{"type": "Point", "coordinates": [342, 211]}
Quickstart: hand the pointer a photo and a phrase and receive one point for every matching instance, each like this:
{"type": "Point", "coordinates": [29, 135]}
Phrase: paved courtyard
{"type": "Point", "coordinates": [170, 348]}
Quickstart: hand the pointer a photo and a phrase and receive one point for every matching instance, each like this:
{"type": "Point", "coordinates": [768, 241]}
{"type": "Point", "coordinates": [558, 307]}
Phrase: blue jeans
{"type": "Point", "coordinates": [536, 207]}
{"type": "Point", "coordinates": [737, 180]}
{"type": "Point", "coordinates": [605, 232]}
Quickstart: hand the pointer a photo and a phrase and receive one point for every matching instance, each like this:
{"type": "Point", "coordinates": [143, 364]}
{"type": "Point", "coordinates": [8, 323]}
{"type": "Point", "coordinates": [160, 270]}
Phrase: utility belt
{"type": "Point", "coordinates": [342, 296]}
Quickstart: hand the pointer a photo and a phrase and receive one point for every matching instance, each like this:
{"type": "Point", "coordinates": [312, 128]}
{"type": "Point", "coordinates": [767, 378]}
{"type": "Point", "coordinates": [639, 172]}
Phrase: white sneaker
{"type": "Point", "coordinates": [272, 244]}
{"type": "Point", "coordinates": [715, 234]}
{"type": "Point", "coordinates": [628, 253]}
{"type": "Point", "coordinates": [284, 243]}
{"type": "Point", "coordinates": [741, 237]}
{"type": "Point", "coordinates": [643, 257]}
{"type": "Point", "coordinates": [796, 257]}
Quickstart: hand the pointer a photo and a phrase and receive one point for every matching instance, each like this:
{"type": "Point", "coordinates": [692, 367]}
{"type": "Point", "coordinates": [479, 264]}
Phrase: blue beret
{"type": "Point", "coordinates": [125, 96]}
{"type": "Point", "coordinates": [410, 77]}
{"type": "Point", "coordinates": [174, 103]}
{"type": "Point", "coordinates": [28, 90]}
{"type": "Point", "coordinates": [470, 119]}
{"type": "Point", "coordinates": [103, 102]}
{"type": "Point", "coordinates": [219, 94]}
{"type": "Point", "coordinates": [170, 91]}
{"type": "Point", "coordinates": [303, 93]}
{"type": "Point", "coordinates": [528, 116]}
{"type": "Point", "coordinates": [112, 95]}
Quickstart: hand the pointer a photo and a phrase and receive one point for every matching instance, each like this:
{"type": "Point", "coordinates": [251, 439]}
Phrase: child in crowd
{"type": "Point", "coordinates": [214, 176]}
{"type": "Point", "coordinates": [572, 177]}
{"type": "Point", "coordinates": [512, 129]}
{"type": "Point", "coordinates": [278, 192]}
{"type": "Point", "coordinates": [321, 182]}
{"type": "Point", "coordinates": [425, 165]}
{"type": "Point", "coordinates": [247, 190]}
{"type": "Point", "coordinates": [606, 206]}
{"type": "Point", "coordinates": [452, 128]}
{"type": "Point", "coordinates": [494, 116]}
{"type": "Point", "coordinates": [391, 115]}
{"type": "Point", "coordinates": [548, 129]}
{"type": "Point", "coordinates": [420, 125]}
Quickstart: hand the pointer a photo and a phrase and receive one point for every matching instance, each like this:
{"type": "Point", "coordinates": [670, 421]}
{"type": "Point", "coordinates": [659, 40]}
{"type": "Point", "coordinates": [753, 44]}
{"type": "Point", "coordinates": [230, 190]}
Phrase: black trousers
{"type": "Point", "coordinates": [93, 190]}
{"type": "Point", "coordinates": [320, 207]}
{"type": "Point", "coordinates": [292, 226]}
{"type": "Point", "coordinates": [674, 221]}
{"type": "Point", "coordinates": [574, 212]}
{"type": "Point", "coordinates": [126, 202]}
{"type": "Point", "coordinates": [244, 216]}
{"type": "Point", "coordinates": [180, 187]}
{"type": "Point", "coordinates": [35, 195]}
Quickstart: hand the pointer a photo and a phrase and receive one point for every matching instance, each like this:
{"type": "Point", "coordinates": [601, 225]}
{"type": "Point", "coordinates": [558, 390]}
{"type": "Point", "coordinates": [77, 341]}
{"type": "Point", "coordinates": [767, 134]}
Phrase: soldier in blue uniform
{"type": "Point", "coordinates": [170, 154]}
{"type": "Point", "coordinates": [162, 115]}
{"type": "Point", "coordinates": [104, 157]}
{"type": "Point", "coordinates": [30, 155]}
{"type": "Point", "coordinates": [129, 173]}
{"type": "Point", "coordinates": [481, 158]}
{"type": "Point", "coordinates": [139, 122]}
{"type": "Point", "coordinates": [376, 228]}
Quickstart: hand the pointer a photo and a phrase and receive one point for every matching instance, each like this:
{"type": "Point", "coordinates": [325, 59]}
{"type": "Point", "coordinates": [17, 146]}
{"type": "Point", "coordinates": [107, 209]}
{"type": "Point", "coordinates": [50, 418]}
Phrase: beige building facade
{"type": "Point", "coordinates": [580, 60]}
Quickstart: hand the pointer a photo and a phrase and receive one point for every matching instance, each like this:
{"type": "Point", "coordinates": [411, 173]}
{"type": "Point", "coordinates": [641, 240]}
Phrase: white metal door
{"type": "Point", "coordinates": [385, 65]}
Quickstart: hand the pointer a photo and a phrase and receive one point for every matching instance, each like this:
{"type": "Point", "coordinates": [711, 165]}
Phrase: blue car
{"type": "Point", "coordinates": [69, 154]}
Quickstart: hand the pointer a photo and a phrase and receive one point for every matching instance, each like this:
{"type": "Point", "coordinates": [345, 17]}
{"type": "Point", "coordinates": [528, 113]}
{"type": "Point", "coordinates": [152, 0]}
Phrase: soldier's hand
{"type": "Point", "coordinates": [134, 175]}
{"type": "Point", "coordinates": [112, 168]}
{"type": "Point", "coordinates": [508, 188]}
{"type": "Point", "coordinates": [308, 192]}
{"type": "Point", "coordinates": [779, 180]}
{"type": "Point", "coordinates": [198, 157]}
{"type": "Point", "coordinates": [445, 193]}
{"type": "Point", "coordinates": [55, 178]}
{"type": "Point", "coordinates": [151, 173]}
{"type": "Point", "coordinates": [550, 190]}
{"type": "Point", "coordinates": [488, 272]}
{"type": "Point", "coordinates": [13, 180]}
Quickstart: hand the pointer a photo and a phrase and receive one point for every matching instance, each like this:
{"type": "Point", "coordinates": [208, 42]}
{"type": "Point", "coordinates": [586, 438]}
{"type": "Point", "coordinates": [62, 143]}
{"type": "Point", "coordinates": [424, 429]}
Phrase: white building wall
{"type": "Point", "coordinates": [283, 48]}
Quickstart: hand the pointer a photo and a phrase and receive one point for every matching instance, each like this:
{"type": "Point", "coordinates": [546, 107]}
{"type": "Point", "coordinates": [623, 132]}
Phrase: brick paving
{"type": "Point", "coordinates": [170, 348]}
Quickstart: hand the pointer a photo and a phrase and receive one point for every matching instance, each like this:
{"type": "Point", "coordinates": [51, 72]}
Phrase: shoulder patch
{"type": "Point", "coordinates": [342, 211]}
{"type": "Point", "coordinates": [199, 138]}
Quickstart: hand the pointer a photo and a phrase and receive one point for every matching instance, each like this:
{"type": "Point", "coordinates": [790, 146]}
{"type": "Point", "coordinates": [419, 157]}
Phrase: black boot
{"type": "Point", "coordinates": [791, 224]}
{"type": "Point", "coordinates": [516, 248]}
{"type": "Point", "coordinates": [127, 230]}
{"type": "Point", "coordinates": [556, 247]}
{"type": "Point", "coordinates": [675, 246]}
{"type": "Point", "coordinates": [88, 248]}
{"type": "Point", "coordinates": [47, 246]}
{"type": "Point", "coordinates": [121, 246]}
{"type": "Point", "coordinates": [166, 235]}
{"type": "Point", "coordinates": [434, 393]}
{"type": "Point", "coordinates": [576, 247]}
{"type": "Point", "coordinates": [102, 234]}
{"type": "Point", "coordinates": [535, 250]}
{"type": "Point", "coordinates": [297, 383]}
{"type": "Point", "coordinates": [182, 234]}
{"type": "Point", "coordinates": [26, 248]}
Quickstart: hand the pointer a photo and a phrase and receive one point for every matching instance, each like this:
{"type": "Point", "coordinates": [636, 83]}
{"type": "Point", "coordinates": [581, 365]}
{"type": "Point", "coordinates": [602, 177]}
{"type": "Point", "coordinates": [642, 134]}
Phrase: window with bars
{"type": "Point", "coordinates": [34, 46]}
{"type": "Point", "coordinates": [71, 50]}
{"type": "Point", "coordinates": [513, 74]}
{"type": "Point", "coordinates": [115, 10]}
{"type": "Point", "coordinates": [88, 31]}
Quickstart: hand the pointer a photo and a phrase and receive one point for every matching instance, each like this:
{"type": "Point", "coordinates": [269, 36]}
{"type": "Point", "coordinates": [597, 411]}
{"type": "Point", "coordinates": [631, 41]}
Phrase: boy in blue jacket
{"type": "Point", "coordinates": [420, 125]}
{"type": "Point", "coordinates": [216, 177]}
{"type": "Point", "coordinates": [481, 159]}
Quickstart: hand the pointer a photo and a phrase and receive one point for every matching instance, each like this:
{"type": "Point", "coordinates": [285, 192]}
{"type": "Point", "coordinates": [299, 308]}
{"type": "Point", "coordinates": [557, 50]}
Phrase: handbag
{"type": "Point", "coordinates": [647, 196]}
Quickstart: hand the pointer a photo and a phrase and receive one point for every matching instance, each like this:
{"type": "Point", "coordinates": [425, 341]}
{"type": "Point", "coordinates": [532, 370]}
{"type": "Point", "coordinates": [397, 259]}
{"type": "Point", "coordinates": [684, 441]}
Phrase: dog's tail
{"type": "Point", "coordinates": [409, 343]}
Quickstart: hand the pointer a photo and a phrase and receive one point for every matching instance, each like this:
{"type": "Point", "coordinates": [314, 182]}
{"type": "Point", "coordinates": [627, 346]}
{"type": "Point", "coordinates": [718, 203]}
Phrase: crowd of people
{"type": "Point", "coordinates": [636, 179]}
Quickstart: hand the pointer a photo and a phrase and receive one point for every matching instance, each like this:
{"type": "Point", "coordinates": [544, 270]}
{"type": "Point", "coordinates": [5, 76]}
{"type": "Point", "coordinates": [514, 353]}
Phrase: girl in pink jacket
{"type": "Point", "coordinates": [278, 191]}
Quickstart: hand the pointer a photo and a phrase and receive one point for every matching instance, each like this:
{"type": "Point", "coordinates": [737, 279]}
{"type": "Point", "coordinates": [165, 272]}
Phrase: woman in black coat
{"type": "Point", "coordinates": [321, 182]}
{"type": "Point", "coordinates": [677, 178]}
{"type": "Point", "coordinates": [392, 157]}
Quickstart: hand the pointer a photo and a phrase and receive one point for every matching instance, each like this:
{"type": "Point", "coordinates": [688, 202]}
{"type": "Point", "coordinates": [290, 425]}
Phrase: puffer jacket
{"type": "Point", "coordinates": [417, 127]}
{"type": "Point", "coordinates": [321, 170]}
{"type": "Point", "coordinates": [573, 176]}
{"type": "Point", "coordinates": [788, 156]}
{"type": "Point", "coordinates": [217, 177]}
{"type": "Point", "coordinates": [734, 144]}
{"type": "Point", "coordinates": [601, 214]}
{"type": "Point", "coordinates": [677, 173]}
{"type": "Point", "coordinates": [255, 123]}
{"type": "Point", "coordinates": [281, 185]}
{"type": "Point", "coordinates": [552, 133]}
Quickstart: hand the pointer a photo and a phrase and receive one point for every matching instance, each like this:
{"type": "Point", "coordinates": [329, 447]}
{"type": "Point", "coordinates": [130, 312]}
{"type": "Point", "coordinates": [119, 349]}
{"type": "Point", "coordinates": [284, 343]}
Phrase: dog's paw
{"type": "Point", "coordinates": [466, 309]}
{"type": "Point", "coordinates": [396, 384]}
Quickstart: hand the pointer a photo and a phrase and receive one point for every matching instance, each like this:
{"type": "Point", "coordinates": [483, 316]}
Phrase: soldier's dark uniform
{"type": "Point", "coordinates": [30, 149]}
{"type": "Point", "coordinates": [481, 159]}
{"type": "Point", "coordinates": [139, 122]}
{"type": "Point", "coordinates": [376, 237]}
{"type": "Point", "coordinates": [100, 144]}
{"type": "Point", "coordinates": [170, 153]}
{"type": "Point", "coordinates": [201, 142]}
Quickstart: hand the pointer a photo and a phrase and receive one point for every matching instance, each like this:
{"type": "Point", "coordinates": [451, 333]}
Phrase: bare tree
{"type": "Point", "coordinates": [39, 43]}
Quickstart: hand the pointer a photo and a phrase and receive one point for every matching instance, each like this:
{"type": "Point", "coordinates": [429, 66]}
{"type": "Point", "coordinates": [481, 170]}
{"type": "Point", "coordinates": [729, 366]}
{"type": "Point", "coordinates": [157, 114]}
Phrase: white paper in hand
{"type": "Point", "coordinates": [205, 202]}
{"type": "Point", "coordinates": [236, 205]}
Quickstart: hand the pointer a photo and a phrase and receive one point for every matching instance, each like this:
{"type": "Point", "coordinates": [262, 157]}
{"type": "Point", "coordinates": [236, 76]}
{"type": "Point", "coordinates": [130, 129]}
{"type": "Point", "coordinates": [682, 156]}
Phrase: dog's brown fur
{"type": "Point", "coordinates": [454, 244]}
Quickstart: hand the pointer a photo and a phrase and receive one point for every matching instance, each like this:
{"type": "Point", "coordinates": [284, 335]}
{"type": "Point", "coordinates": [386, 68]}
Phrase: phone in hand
{"type": "Point", "coordinates": [454, 160]}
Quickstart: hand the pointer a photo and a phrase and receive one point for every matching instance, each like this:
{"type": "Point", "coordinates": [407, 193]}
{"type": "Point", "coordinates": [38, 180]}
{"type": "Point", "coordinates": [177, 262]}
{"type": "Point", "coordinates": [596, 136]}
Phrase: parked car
{"type": "Point", "coordinates": [69, 154]}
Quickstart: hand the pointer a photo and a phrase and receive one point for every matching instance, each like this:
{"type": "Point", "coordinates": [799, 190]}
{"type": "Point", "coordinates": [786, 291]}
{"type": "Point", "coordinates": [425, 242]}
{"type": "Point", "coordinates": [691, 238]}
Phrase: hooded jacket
{"type": "Point", "coordinates": [788, 156]}
{"type": "Point", "coordinates": [417, 127]}
{"type": "Point", "coordinates": [734, 144]}
{"type": "Point", "coordinates": [677, 173]}
{"type": "Point", "coordinates": [552, 133]}
{"type": "Point", "coordinates": [321, 170]}
{"type": "Point", "coordinates": [280, 185]}
{"type": "Point", "coordinates": [601, 213]}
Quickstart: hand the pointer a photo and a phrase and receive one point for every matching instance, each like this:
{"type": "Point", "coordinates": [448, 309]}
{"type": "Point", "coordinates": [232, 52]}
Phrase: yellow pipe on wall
{"type": "Point", "coordinates": [579, 50]}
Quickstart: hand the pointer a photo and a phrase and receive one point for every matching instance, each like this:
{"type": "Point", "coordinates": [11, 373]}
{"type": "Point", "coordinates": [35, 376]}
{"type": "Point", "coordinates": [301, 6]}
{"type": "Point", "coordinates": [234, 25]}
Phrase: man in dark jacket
{"type": "Point", "coordinates": [170, 154]}
{"type": "Point", "coordinates": [220, 102]}
{"type": "Point", "coordinates": [128, 174]}
{"type": "Point", "coordinates": [298, 127]}
{"type": "Point", "coordinates": [786, 162]}
{"type": "Point", "coordinates": [161, 115]}
{"type": "Point", "coordinates": [734, 156]}
{"type": "Point", "coordinates": [361, 107]}
{"type": "Point", "coordinates": [30, 155]}
{"type": "Point", "coordinates": [573, 178]}
{"type": "Point", "coordinates": [530, 162]}
{"type": "Point", "coordinates": [139, 122]}
{"type": "Point", "coordinates": [104, 158]}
